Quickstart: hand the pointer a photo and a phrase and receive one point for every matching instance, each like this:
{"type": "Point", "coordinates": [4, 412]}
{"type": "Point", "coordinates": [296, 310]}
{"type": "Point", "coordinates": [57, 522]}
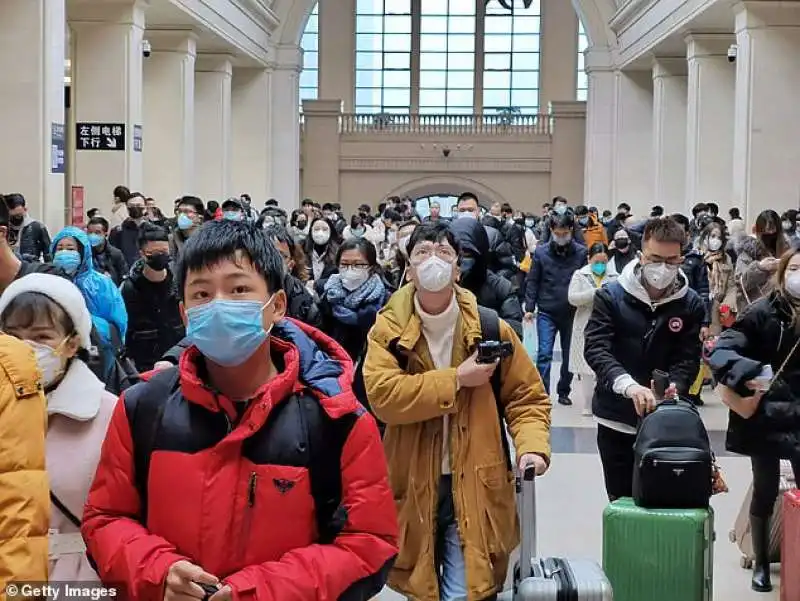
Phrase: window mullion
{"type": "Point", "coordinates": [416, 17]}
{"type": "Point", "coordinates": [480, 29]}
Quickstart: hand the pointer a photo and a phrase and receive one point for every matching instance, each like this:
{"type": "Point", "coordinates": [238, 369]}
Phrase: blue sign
{"type": "Point", "coordinates": [137, 138]}
{"type": "Point", "coordinates": [58, 144]}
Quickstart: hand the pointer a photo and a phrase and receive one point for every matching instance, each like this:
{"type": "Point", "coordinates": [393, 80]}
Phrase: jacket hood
{"type": "Point", "coordinates": [471, 235]}
{"type": "Point", "coordinates": [631, 281]}
{"type": "Point", "coordinates": [79, 235]}
{"type": "Point", "coordinates": [399, 320]}
{"type": "Point", "coordinates": [311, 358]}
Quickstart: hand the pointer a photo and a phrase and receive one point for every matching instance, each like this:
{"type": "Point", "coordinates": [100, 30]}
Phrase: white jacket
{"type": "Point", "coordinates": [581, 296]}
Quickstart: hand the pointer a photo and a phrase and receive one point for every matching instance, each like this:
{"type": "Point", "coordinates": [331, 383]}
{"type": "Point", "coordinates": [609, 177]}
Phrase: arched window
{"type": "Point", "coordinates": [582, 89]}
{"type": "Point", "coordinates": [309, 78]}
{"type": "Point", "coordinates": [383, 56]}
{"type": "Point", "coordinates": [511, 56]}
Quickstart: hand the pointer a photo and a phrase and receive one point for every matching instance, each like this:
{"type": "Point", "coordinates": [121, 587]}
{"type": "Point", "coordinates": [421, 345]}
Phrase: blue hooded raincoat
{"type": "Point", "coordinates": [102, 296]}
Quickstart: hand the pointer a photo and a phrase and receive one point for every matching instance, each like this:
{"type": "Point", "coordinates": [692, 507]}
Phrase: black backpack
{"type": "Point", "coordinates": [490, 330]}
{"type": "Point", "coordinates": [673, 466]}
{"type": "Point", "coordinates": [123, 373]}
{"type": "Point", "coordinates": [150, 400]}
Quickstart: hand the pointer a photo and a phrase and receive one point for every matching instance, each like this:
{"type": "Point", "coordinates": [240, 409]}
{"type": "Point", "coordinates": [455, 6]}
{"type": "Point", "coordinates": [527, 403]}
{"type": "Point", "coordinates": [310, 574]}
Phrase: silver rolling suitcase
{"type": "Point", "coordinates": [552, 578]}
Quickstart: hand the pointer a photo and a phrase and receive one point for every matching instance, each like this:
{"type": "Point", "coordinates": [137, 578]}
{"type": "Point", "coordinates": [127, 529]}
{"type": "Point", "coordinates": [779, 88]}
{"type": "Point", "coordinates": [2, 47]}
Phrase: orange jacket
{"type": "Point", "coordinates": [595, 232]}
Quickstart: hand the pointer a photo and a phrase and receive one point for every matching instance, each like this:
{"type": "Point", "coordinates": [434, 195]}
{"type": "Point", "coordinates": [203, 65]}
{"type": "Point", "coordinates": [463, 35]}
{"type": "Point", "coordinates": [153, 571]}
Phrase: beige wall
{"type": "Point", "coordinates": [523, 165]}
{"type": "Point", "coordinates": [352, 161]}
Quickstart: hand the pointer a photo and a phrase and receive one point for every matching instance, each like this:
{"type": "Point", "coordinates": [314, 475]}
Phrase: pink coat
{"type": "Point", "coordinates": [79, 411]}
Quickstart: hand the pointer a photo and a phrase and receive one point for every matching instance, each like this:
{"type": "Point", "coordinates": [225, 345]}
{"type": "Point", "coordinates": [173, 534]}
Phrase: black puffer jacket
{"type": "Point", "coordinates": [34, 241]}
{"type": "Point", "coordinates": [301, 304]}
{"type": "Point", "coordinates": [491, 290]}
{"type": "Point", "coordinates": [547, 283]}
{"type": "Point", "coordinates": [110, 261]}
{"type": "Point", "coordinates": [629, 335]}
{"type": "Point", "coordinates": [762, 335]}
{"type": "Point", "coordinates": [694, 267]}
{"type": "Point", "coordinates": [154, 319]}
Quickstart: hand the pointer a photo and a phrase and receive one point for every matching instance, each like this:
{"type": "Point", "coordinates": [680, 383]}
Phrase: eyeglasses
{"type": "Point", "coordinates": [344, 266]}
{"type": "Point", "coordinates": [426, 251]}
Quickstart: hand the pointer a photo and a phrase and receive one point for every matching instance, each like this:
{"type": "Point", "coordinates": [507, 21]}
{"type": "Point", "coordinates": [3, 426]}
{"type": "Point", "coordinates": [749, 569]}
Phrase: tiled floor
{"type": "Point", "coordinates": [571, 500]}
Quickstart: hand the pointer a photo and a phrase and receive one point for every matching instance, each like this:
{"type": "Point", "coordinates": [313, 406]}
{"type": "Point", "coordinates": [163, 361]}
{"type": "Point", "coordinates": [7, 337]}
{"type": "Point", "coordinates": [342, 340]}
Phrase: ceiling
{"type": "Point", "coordinates": [163, 14]}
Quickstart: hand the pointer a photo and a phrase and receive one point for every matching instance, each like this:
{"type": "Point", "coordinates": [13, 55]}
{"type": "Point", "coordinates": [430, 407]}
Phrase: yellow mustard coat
{"type": "Point", "coordinates": [412, 403]}
{"type": "Point", "coordinates": [24, 491]}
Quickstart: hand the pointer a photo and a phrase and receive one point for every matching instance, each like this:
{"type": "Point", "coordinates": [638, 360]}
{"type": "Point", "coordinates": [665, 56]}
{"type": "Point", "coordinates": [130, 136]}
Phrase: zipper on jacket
{"type": "Point", "coordinates": [251, 489]}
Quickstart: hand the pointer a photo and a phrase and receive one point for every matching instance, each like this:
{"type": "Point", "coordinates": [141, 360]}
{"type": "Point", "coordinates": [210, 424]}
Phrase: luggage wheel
{"type": "Point", "coordinates": [746, 562]}
{"type": "Point", "coordinates": [732, 536]}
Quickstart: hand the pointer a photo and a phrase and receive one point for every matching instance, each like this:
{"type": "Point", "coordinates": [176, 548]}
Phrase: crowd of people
{"type": "Point", "coordinates": [290, 405]}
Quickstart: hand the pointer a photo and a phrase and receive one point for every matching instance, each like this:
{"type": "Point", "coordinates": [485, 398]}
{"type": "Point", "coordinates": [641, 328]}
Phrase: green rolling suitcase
{"type": "Point", "coordinates": [658, 554]}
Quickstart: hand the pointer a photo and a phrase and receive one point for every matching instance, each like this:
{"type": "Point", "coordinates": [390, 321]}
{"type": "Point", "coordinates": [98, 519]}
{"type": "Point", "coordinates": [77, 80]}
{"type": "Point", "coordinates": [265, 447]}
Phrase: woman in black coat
{"type": "Point", "coordinates": [765, 410]}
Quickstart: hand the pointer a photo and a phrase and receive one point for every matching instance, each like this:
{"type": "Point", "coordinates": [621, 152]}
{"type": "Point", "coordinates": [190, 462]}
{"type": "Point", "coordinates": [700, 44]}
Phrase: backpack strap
{"type": "Point", "coordinates": [325, 438]}
{"type": "Point", "coordinates": [64, 510]}
{"type": "Point", "coordinates": [144, 405]}
{"type": "Point", "coordinates": [490, 330]}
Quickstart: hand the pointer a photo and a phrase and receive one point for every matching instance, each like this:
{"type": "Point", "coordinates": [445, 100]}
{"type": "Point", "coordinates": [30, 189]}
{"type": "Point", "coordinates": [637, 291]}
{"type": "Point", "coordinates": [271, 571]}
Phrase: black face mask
{"type": "Point", "coordinates": [158, 261]}
{"type": "Point", "coordinates": [622, 244]}
{"type": "Point", "coordinates": [16, 220]}
{"type": "Point", "coordinates": [135, 212]}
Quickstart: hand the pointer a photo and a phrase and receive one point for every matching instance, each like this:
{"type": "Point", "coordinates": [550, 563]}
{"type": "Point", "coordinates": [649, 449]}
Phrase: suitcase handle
{"type": "Point", "coordinates": [526, 491]}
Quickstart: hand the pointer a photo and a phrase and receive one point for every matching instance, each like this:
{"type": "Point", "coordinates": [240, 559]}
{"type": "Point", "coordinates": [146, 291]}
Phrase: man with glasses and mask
{"type": "Point", "coordinates": [648, 319]}
{"type": "Point", "coordinates": [444, 441]}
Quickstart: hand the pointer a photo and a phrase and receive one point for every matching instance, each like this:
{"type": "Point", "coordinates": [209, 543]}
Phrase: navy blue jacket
{"type": "Point", "coordinates": [694, 266]}
{"type": "Point", "coordinates": [548, 280]}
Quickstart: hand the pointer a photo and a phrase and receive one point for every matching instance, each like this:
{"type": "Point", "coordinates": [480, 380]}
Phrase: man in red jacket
{"type": "Point", "coordinates": [249, 472]}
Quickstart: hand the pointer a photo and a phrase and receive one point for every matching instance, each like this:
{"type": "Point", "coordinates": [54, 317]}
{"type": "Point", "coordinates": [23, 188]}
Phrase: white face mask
{"type": "Point", "coordinates": [793, 284]}
{"type": "Point", "coordinates": [466, 215]}
{"type": "Point", "coordinates": [320, 237]}
{"type": "Point", "coordinates": [660, 275]}
{"type": "Point", "coordinates": [48, 361]}
{"type": "Point", "coordinates": [434, 274]}
{"type": "Point", "coordinates": [714, 244]}
{"type": "Point", "coordinates": [353, 277]}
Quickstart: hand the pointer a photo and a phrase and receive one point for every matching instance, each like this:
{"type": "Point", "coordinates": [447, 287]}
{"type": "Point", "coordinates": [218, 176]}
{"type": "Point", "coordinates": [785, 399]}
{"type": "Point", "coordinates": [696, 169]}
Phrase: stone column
{"type": "Point", "coordinates": [766, 153]}
{"type": "Point", "coordinates": [337, 51]}
{"type": "Point", "coordinates": [285, 151]}
{"type": "Point", "coordinates": [709, 120]}
{"type": "Point", "coordinates": [107, 96]}
{"type": "Point", "coordinates": [633, 141]}
{"type": "Point", "coordinates": [568, 149]}
{"type": "Point", "coordinates": [669, 132]}
{"type": "Point", "coordinates": [559, 52]}
{"type": "Point", "coordinates": [212, 113]}
{"type": "Point", "coordinates": [32, 161]}
{"type": "Point", "coordinates": [321, 149]}
{"type": "Point", "coordinates": [600, 122]}
{"type": "Point", "coordinates": [252, 129]}
{"type": "Point", "coordinates": [169, 116]}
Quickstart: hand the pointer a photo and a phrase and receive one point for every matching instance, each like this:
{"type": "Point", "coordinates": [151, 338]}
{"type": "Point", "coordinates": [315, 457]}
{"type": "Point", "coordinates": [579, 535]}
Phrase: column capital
{"type": "Point", "coordinates": [181, 41]}
{"type": "Point", "coordinates": [286, 57]}
{"type": "Point", "coordinates": [669, 67]}
{"type": "Point", "coordinates": [597, 58]}
{"type": "Point", "coordinates": [700, 44]}
{"type": "Point", "coordinates": [120, 12]}
{"type": "Point", "coordinates": [214, 63]}
{"type": "Point", "coordinates": [570, 109]}
{"type": "Point", "coordinates": [766, 13]}
{"type": "Point", "coordinates": [322, 108]}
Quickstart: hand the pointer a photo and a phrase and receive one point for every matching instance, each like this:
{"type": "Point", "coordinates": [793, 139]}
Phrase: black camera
{"type": "Point", "coordinates": [491, 351]}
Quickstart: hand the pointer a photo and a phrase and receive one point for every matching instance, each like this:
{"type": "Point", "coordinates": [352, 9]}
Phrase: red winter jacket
{"type": "Point", "coordinates": [236, 499]}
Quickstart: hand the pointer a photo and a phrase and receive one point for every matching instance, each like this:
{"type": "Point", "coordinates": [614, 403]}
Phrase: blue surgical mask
{"type": "Point", "coordinates": [227, 332]}
{"type": "Point", "coordinates": [185, 222]}
{"type": "Point", "coordinates": [232, 215]}
{"type": "Point", "coordinates": [466, 215]}
{"type": "Point", "coordinates": [529, 223]}
{"type": "Point", "coordinates": [599, 269]}
{"type": "Point", "coordinates": [560, 209]}
{"type": "Point", "coordinates": [96, 240]}
{"type": "Point", "coordinates": [67, 261]}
